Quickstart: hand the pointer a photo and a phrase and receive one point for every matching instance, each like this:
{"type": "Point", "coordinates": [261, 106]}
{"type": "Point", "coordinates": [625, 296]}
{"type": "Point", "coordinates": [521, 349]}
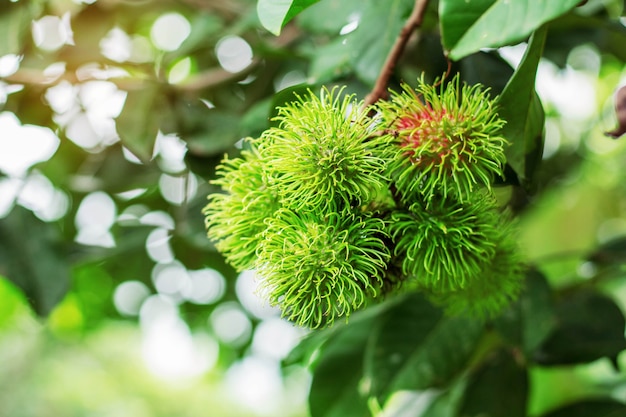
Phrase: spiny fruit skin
{"type": "Point", "coordinates": [447, 141]}
{"type": "Point", "coordinates": [500, 282]}
{"type": "Point", "coordinates": [320, 269]}
{"type": "Point", "coordinates": [335, 209]}
{"type": "Point", "coordinates": [444, 245]}
{"type": "Point", "coordinates": [236, 219]}
{"type": "Point", "coordinates": [322, 155]}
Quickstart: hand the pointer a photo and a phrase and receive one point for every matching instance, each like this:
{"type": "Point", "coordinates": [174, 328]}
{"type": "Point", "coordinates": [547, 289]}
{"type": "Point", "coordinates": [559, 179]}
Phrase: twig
{"type": "Point", "coordinates": [414, 21]}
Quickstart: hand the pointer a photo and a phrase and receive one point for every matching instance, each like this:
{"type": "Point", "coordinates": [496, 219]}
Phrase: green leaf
{"type": "Point", "coordinates": [331, 61]}
{"type": "Point", "coordinates": [572, 30]}
{"type": "Point", "coordinates": [338, 372]}
{"type": "Point", "coordinates": [416, 347]}
{"type": "Point", "coordinates": [13, 302]}
{"type": "Point", "coordinates": [610, 253]}
{"type": "Point", "coordinates": [378, 29]}
{"type": "Point", "coordinates": [590, 326]}
{"type": "Point", "coordinates": [531, 319]}
{"type": "Point", "coordinates": [275, 14]}
{"type": "Point", "coordinates": [32, 257]}
{"type": "Point", "coordinates": [591, 408]}
{"type": "Point", "coordinates": [364, 50]}
{"type": "Point", "coordinates": [448, 402]}
{"type": "Point", "coordinates": [468, 26]}
{"type": "Point", "coordinates": [498, 389]}
{"type": "Point", "coordinates": [488, 69]}
{"type": "Point", "coordinates": [328, 17]}
{"type": "Point", "coordinates": [521, 108]}
{"type": "Point", "coordinates": [145, 112]}
{"type": "Point", "coordinates": [287, 96]}
{"type": "Point", "coordinates": [306, 350]}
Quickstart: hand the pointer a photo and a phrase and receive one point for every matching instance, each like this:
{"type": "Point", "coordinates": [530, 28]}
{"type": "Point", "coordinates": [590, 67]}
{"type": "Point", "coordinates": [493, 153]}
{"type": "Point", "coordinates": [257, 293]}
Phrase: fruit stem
{"type": "Point", "coordinates": [413, 22]}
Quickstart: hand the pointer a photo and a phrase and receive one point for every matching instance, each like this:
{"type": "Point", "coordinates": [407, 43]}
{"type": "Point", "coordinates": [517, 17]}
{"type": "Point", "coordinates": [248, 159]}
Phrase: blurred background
{"type": "Point", "coordinates": [113, 117]}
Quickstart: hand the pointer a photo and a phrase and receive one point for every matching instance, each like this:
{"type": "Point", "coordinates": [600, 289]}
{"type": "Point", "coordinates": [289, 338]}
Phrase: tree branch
{"type": "Point", "coordinates": [414, 21]}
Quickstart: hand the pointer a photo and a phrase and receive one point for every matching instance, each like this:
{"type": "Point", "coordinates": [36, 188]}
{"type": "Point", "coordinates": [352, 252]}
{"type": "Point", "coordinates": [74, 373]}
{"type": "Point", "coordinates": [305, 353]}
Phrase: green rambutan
{"type": "Point", "coordinates": [318, 269]}
{"type": "Point", "coordinates": [446, 140]}
{"type": "Point", "coordinates": [491, 291]}
{"type": "Point", "coordinates": [323, 156]}
{"type": "Point", "coordinates": [445, 244]}
{"type": "Point", "coordinates": [236, 219]}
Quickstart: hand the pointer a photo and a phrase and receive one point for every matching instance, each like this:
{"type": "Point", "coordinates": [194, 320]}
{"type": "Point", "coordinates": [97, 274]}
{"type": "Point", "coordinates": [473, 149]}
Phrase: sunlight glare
{"type": "Point", "coordinates": [247, 291]}
{"type": "Point", "coordinates": [206, 286]}
{"type": "Point", "coordinates": [52, 32]}
{"type": "Point", "coordinates": [22, 146]}
{"type": "Point", "coordinates": [94, 218]}
{"type": "Point", "coordinates": [177, 190]}
{"type": "Point", "coordinates": [230, 324]}
{"type": "Point", "coordinates": [169, 31]}
{"type": "Point", "coordinates": [158, 246]}
{"type": "Point", "coordinates": [129, 296]}
{"type": "Point", "coordinates": [233, 53]}
{"type": "Point", "coordinates": [116, 45]}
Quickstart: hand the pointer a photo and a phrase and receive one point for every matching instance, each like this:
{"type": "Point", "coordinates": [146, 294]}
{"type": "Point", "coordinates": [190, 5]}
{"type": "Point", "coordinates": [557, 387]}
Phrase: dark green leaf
{"type": "Point", "coordinates": [521, 108]}
{"type": "Point", "coordinates": [498, 389]}
{"type": "Point", "coordinates": [571, 30]}
{"type": "Point", "coordinates": [215, 133]}
{"type": "Point", "coordinates": [32, 257]}
{"type": "Point", "coordinates": [274, 14]}
{"type": "Point", "coordinates": [338, 373]}
{"type": "Point", "coordinates": [287, 96]}
{"type": "Point", "coordinates": [468, 26]}
{"type": "Point", "coordinates": [531, 319]}
{"type": "Point", "coordinates": [590, 326]}
{"type": "Point", "coordinates": [611, 252]}
{"type": "Point", "coordinates": [305, 351]}
{"type": "Point", "coordinates": [416, 347]}
{"type": "Point", "coordinates": [145, 112]}
{"type": "Point", "coordinates": [488, 69]}
{"type": "Point", "coordinates": [591, 408]}
{"type": "Point", "coordinates": [448, 402]}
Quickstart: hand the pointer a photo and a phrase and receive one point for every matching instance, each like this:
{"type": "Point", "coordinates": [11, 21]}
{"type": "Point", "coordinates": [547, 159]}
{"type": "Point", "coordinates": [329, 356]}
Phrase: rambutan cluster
{"type": "Point", "coordinates": [330, 201]}
{"type": "Point", "coordinates": [449, 235]}
{"type": "Point", "coordinates": [296, 209]}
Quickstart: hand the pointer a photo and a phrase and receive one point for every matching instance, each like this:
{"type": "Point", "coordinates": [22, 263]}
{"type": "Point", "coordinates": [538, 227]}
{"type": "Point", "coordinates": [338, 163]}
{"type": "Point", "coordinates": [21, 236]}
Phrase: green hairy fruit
{"type": "Point", "coordinates": [499, 283]}
{"type": "Point", "coordinates": [236, 219]}
{"type": "Point", "coordinates": [337, 210]}
{"type": "Point", "coordinates": [446, 139]}
{"type": "Point", "coordinates": [443, 245]}
{"type": "Point", "coordinates": [319, 269]}
{"type": "Point", "coordinates": [322, 154]}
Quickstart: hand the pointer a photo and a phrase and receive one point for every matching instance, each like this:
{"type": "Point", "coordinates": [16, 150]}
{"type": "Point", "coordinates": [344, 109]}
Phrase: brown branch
{"type": "Point", "coordinates": [414, 21]}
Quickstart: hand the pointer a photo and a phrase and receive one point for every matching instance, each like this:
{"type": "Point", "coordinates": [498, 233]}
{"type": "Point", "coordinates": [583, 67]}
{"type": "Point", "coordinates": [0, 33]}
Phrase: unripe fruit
{"type": "Point", "coordinates": [319, 269]}
{"type": "Point", "coordinates": [499, 282]}
{"type": "Point", "coordinates": [236, 219]}
{"type": "Point", "coordinates": [447, 141]}
{"type": "Point", "coordinates": [444, 245]}
{"type": "Point", "coordinates": [322, 155]}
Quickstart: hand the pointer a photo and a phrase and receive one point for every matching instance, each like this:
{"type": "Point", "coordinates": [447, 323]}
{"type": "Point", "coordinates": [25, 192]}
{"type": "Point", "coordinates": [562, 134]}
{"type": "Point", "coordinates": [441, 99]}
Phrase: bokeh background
{"type": "Point", "coordinates": [113, 117]}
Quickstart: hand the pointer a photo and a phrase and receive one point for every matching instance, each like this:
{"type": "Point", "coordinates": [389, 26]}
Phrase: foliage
{"type": "Point", "coordinates": [125, 127]}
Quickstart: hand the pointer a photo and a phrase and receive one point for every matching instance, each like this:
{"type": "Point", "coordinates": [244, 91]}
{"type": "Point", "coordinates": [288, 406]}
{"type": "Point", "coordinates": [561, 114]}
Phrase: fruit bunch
{"type": "Point", "coordinates": [336, 209]}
